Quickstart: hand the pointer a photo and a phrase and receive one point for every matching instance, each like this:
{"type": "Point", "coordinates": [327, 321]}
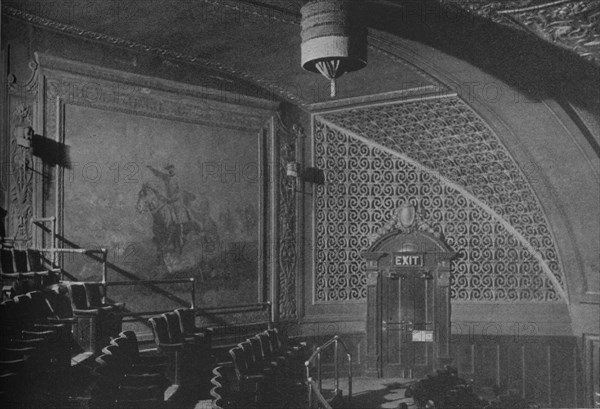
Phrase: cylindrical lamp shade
{"type": "Point", "coordinates": [332, 41]}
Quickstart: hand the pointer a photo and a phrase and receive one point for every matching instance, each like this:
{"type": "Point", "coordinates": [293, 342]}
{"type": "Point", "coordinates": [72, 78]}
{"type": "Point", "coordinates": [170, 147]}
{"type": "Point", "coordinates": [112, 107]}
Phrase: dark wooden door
{"type": "Point", "coordinates": [407, 341]}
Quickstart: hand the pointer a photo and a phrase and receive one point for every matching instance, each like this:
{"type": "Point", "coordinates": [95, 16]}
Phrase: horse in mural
{"type": "Point", "coordinates": [172, 222]}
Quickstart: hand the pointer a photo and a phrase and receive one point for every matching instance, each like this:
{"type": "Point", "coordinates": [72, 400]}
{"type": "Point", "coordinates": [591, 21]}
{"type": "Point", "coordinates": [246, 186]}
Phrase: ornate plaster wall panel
{"type": "Point", "coordinates": [287, 221]}
{"type": "Point", "coordinates": [20, 173]}
{"type": "Point", "coordinates": [365, 184]}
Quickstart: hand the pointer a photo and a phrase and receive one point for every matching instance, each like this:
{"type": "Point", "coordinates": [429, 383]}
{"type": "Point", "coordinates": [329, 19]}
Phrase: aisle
{"type": "Point", "coordinates": [369, 393]}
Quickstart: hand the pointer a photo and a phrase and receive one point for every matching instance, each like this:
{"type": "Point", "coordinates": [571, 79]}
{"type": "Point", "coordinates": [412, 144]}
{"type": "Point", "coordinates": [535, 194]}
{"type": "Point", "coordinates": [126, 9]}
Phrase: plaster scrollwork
{"type": "Point", "coordinates": [288, 257]}
{"type": "Point", "coordinates": [28, 87]}
{"type": "Point", "coordinates": [21, 175]}
{"type": "Point", "coordinates": [571, 24]}
{"type": "Point", "coordinates": [574, 25]}
{"type": "Point", "coordinates": [445, 140]}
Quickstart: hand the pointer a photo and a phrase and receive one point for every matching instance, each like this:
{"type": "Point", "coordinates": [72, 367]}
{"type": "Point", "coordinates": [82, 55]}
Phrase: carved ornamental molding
{"type": "Point", "coordinates": [287, 220]}
{"type": "Point", "coordinates": [570, 24]}
{"type": "Point", "coordinates": [405, 219]}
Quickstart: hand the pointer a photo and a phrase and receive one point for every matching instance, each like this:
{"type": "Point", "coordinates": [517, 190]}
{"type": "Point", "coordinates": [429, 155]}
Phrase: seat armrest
{"type": "Point", "coordinates": [173, 347]}
{"type": "Point", "coordinates": [50, 327]}
{"type": "Point", "coordinates": [85, 313]}
{"type": "Point", "coordinates": [255, 377]}
{"type": "Point", "coordinates": [65, 321]}
{"type": "Point", "coordinates": [28, 334]}
{"type": "Point", "coordinates": [26, 343]}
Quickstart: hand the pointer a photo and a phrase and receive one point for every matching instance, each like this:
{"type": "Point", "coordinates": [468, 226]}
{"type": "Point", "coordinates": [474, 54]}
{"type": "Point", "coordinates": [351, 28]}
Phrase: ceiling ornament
{"type": "Point", "coordinates": [574, 25]}
{"type": "Point", "coordinates": [333, 41]}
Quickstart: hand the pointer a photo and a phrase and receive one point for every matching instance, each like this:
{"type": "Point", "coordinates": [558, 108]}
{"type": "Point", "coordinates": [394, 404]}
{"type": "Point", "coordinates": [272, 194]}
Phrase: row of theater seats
{"type": "Point", "coordinates": [23, 271]}
{"type": "Point", "coordinates": [41, 330]}
{"type": "Point", "coordinates": [125, 379]}
{"type": "Point", "coordinates": [34, 351]}
{"type": "Point", "coordinates": [187, 347]}
{"type": "Point", "coordinates": [265, 369]}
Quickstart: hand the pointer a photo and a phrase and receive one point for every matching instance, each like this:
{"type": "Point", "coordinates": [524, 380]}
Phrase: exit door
{"type": "Point", "coordinates": [407, 323]}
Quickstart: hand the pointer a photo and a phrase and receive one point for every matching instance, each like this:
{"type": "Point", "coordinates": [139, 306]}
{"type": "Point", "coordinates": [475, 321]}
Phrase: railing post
{"type": "Point", "coordinates": [193, 303]}
{"type": "Point", "coordinates": [319, 369]}
{"type": "Point", "coordinates": [270, 321]}
{"type": "Point", "coordinates": [104, 274]}
{"type": "Point", "coordinates": [335, 365]}
{"type": "Point", "coordinates": [309, 391]}
{"type": "Point", "coordinates": [349, 377]}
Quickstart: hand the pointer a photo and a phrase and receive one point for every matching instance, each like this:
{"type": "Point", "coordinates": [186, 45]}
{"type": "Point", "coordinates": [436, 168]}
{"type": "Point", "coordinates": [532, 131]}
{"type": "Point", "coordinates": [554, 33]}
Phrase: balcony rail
{"type": "Point", "coordinates": [319, 400]}
{"type": "Point", "coordinates": [316, 387]}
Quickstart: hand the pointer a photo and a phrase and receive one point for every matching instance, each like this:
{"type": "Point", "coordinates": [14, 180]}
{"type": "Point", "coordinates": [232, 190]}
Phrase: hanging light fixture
{"type": "Point", "coordinates": [333, 43]}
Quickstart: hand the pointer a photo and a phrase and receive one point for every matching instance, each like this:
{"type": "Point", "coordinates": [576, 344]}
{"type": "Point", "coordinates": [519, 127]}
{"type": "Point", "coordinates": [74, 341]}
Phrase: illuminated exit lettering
{"type": "Point", "coordinates": [411, 260]}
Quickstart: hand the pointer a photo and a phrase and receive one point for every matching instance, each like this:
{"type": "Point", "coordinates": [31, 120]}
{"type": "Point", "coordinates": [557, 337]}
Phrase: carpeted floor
{"type": "Point", "coordinates": [368, 393]}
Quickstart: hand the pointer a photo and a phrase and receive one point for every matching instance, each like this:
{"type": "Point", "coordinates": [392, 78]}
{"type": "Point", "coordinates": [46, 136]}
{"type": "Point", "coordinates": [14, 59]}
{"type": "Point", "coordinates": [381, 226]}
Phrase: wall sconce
{"type": "Point", "coordinates": [23, 135]}
{"type": "Point", "coordinates": [292, 169]}
{"type": "Point", "coordinates": [307, 175]}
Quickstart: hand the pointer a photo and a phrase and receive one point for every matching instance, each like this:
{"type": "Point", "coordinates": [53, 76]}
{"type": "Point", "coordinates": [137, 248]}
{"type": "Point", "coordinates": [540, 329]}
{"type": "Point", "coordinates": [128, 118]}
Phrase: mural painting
{"type": "Point", "coordinates": [169, 200]}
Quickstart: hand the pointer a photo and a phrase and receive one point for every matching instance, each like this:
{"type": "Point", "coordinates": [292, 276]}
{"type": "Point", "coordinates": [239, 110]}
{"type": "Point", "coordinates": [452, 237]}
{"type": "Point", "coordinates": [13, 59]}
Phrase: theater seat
{"type": "Point", "coordinates": [252, 385]}
{"type": "Point", "coordinates": [188, 327]}
{"type": "Point", "coordinates": [175, 351]}
{"type": "Point", "coordinates": [97, 322]}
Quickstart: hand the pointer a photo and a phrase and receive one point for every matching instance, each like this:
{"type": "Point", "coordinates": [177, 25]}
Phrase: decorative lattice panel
{"type": "Point", "coordinates": [364, 185]}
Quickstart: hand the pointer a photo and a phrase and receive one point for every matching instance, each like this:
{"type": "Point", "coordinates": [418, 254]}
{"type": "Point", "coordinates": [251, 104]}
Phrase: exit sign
{"type": "Point", "coordinates": [408, 260]}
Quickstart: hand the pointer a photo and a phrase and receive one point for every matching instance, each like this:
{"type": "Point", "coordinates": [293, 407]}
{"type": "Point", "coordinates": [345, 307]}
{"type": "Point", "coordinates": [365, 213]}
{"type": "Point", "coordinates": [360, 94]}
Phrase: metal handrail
{"type": "Point", "coordinates": [313, 388]}
{"type": "Point", "coordinates": [231, 309]}
{"type": "Point", "coordinates": [316, 356]}
{"type": "Point", "coordinates": [104, 254]}
{"type": "Point", "coordinates": [190, 280]}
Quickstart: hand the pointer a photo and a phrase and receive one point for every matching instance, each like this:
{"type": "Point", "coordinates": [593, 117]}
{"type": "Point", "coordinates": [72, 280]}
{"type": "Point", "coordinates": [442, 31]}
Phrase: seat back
{"type": "Point", "coordinates": [59, 301]}
{"type": "Point", "coordinates": [40, 306]}
{"type": "Point", "coordinates": [256, 349]}
{"type": "Point", "coordinates": [131, 343]}
{"type": "Point", "coordinates": [25, 313]}
{"type": "Point", "coordinates": [250, 358]}
{"type": "Point", "coordinates": [239, 363]}
{"type": "Point", "coordinates": [94, 293]}
{"type": "Point", "coordinates": [34, 257]}
{"type": "Point", "coordinates": [6, 261]}
{"type": "Point", "coordinates": [20, 261]}
{"type": "Point", "coordinates": [186, 320]}
{"type": "Point", "coordinates": [9, 319]}
{"type": "Point", "coordinates": [160, 329]}
{"type": "Point", "coordinates": [78, 296]}
{"type": "Point", "coordinates": [265, 345]}
{"type": "Point", "coordinates": [174, 327]}
{"type": "Point", "coordinates": [121, 358]}
{"type": "Point", "coordinates": [122, 346]}
{"type": "Point", "coordinates": [275, 339]}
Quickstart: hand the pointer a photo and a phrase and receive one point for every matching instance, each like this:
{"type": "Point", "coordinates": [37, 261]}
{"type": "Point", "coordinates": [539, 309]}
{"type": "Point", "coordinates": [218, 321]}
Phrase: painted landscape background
{"type": "Point", "coordinates": [168, 200]}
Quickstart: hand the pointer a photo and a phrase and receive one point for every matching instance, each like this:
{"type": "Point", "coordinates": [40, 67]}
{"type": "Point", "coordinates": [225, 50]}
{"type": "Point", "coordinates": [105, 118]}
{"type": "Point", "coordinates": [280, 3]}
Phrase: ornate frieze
{"type": "Point", "coordinates": [21, 174]}
{"type": "Point", "coordinates": [288, 257]}
{"type": "Point", "coordinates": [365, 185]}
{"type": "Point", "coordinates": [573, 25]}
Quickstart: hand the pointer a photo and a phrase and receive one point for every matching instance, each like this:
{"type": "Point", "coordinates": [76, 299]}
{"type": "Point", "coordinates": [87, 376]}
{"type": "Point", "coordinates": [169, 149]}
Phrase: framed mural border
{"type": "Point", "coordinates": [61, 82]}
